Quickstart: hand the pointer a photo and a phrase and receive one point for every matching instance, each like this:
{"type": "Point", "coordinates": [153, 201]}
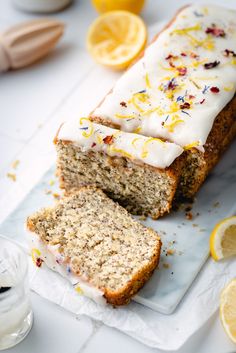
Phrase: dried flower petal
{"type": "Point", "coordinates": [171, 84]}
{"type": "Point", "coordinates": [228, 53]}
{"type": "Point", "coordinates": [211, 65]}
{"type": "Point", "coordinates": [182, 70]}
{"type": "Point", "coordinates": [205, 89]}
{"type": "Point", "coordinates": [170, 56]}
{"type": "Point", "coordinates": [194, 55]}
{"type": "Point", "coordinates": [108, 140]}
{"type": "Point", "coordinates": [38, 262]}
{"type": "Point", "coordinates": [186, 105]}
{"type": "Point", "coordinates": [215, 31]}
{"type": "Point", "coordinates": [214, 89]}
{"type": "Point", "coordinates": [180, 98]}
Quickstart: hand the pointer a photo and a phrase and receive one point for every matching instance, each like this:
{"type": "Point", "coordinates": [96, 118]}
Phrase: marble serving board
{"type": "Point", "coordinates": [185, 241]}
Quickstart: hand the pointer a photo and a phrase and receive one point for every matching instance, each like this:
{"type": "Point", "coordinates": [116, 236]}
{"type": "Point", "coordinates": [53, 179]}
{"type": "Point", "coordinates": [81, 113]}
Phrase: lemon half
{"type": "Point", "coordinates": [134, 6]}
{"type": "Point", "coordinates": [223, 239]}
{"type": "Point", "coordinates": [116, 38]}
{"type": "Point", "coordinates": [228, 309]}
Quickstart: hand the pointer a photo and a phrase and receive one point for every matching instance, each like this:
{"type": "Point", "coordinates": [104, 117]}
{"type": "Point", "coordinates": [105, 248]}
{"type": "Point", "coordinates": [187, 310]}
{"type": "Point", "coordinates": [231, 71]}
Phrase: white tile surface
{"type": "Point", "coordinates": [54, 330]}
{"type": "Point", "coordinates": [35, 95]}
{"type": "Point", "coordinates": [107, 340]}
{"type": "Point", "coordinates": [210, 338]}
{"type": "Point", "coordinates": [8, 149]}
{"type": "Point", "coordinates": [40, 89]}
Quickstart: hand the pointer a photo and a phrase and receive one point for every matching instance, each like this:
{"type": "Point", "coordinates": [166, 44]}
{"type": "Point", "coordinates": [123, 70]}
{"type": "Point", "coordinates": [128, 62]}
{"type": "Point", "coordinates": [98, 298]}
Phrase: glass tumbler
{"type": "Point", "coordinates": [16, 316]}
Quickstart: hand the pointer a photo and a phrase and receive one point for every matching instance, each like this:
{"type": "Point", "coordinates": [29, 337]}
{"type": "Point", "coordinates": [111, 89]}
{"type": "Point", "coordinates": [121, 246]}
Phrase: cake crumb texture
{"type": "Point", "coordinates": [141, 189]}
{"type": "Point", "coordinates": [100, 241]}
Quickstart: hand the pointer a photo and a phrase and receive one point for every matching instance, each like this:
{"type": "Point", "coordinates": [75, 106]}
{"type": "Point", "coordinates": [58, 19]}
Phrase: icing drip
{"type": "Point", "coordinates": [50, 254]}
{"type": "Point", "coordinates": [95, 137]}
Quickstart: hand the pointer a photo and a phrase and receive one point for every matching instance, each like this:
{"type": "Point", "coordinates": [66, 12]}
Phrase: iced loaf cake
{"type": "Point", "coordinates": [183, 90]}
{"type": "Point", "coordinates": [180, 96]}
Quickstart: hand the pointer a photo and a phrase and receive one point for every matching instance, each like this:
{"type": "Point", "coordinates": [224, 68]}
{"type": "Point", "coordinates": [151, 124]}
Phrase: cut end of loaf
{"type": "Point", "coordinates": [141, 189]}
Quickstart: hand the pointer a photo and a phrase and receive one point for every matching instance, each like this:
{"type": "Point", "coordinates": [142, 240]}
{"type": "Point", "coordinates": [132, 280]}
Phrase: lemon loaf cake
{"type": "Point", "coordinates": [139, 172]}
{"type": "Point", "coordinates": [96, 244]}
{"type": "Point", "coordinates": [182, 90]}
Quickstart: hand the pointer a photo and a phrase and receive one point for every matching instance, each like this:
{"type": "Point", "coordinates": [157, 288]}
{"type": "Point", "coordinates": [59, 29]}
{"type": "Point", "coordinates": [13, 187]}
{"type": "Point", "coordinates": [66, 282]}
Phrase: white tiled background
{"type": "Point", "coordinates": [32, 102]}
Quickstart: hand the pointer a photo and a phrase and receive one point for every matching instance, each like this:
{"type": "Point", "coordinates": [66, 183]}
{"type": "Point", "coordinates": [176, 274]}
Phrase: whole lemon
{"type": "Point", "coordinates": [134, 6]}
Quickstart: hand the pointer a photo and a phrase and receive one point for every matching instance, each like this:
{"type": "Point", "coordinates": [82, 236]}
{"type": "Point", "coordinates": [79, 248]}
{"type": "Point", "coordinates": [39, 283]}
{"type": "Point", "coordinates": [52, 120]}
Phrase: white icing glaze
{"type": "Point", "coordinates": [155, 112]}
{"type": "Point", "coordinates": [91, 136]}
{"type": "Point", "coordinates": [55, 261]}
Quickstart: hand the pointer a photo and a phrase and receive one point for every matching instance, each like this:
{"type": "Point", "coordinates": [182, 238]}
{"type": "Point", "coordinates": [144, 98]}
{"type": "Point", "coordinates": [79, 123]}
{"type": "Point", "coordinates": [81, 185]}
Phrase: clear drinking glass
{"type": "Point", "coordinates": [16, 316]}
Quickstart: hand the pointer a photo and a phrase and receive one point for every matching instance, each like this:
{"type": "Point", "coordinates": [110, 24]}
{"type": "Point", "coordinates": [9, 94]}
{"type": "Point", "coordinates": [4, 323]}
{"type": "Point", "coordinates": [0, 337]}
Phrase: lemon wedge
{"type": "Point", "coordinates": [228, 309]}
{"type": "Point", "coordinates": [116, 38]}
{"type": "Point", "coordinates": [134, 6]}
{"type": "Point", "coordinates": [223, 239]}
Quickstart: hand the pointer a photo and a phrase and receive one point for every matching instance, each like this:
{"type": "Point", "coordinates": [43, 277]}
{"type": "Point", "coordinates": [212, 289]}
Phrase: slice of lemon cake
{"type": "Point", "coordinates": [96, 244]}
{"type": "Point", "coordinates": [139, 172]}
{"type": "Point", "coordinates": [183, 90]}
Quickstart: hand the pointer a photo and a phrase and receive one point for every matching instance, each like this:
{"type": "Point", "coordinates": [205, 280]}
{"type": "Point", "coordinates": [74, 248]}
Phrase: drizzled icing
{"type": "Point", "coordinates": [54, 260]}
{"type": "Point", "coordinates": [184, 80]}
{"type": "Point", "coordinates": [96, 137]}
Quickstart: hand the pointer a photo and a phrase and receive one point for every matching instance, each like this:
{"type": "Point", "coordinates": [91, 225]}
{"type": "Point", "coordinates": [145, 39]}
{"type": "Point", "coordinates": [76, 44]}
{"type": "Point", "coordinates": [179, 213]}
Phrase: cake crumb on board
{"type": "Point", "coordinates": [166, 265]}
{"type": "Point", "coordinates": [51, 182]}
{"type": "Point", "coordinates": [15, 164]}
{"type": "Point", "coordinates": [170, 251]}
{"type": "Point", "coordinates": [11, 176]}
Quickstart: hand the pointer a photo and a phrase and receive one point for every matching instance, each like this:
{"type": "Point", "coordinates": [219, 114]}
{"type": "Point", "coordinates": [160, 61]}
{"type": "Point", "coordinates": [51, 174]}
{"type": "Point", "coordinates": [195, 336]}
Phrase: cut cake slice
{"type": "Point", "coordinates": [139, 172]}
{"type": "Point", "coordinates": [96, 244]}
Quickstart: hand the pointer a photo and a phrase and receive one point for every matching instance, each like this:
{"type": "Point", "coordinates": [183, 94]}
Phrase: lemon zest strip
{"type": "Point", "coordinates": [121, 116]}
{"type": "Point", "coordinates": [175, 121]}
{"type": "Point", "coordinates": [142, 97]}
{"type": "Point", "coordinates": [148, 83]}
{"type": "Point", "coordinates": [99, 139]}
{"type": "Point", "coordinates": [191, 145]}
{"type": "Point", "coordinates": [183, 31]}
{"type": "Point", "coordinates": [229, 88]}
{"type": "Point", "coordinates": [134, 141]}
{"type": "Point", "coordinates": [137, 130]}
{"type": "Point", "coordinates": [158, 109]}
{"type": "Point", "coordinates": [84, 133]}
{"type": "Point", "coordinates": [35, 252]}
{"type": "Point", "coordinates": [144, 152]}
{"type": "Point", "coordinates": [122, 152]}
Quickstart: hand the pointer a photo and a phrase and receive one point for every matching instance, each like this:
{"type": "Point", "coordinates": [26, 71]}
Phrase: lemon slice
{"type": "Point", "coordinates": [116, 38]}
{"type": "Point", "coordinates": [134, 6]}
{"type": "Point", "coordinates": [223, 239]}
{"type": "Point", "coordinates": [228, 309]}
